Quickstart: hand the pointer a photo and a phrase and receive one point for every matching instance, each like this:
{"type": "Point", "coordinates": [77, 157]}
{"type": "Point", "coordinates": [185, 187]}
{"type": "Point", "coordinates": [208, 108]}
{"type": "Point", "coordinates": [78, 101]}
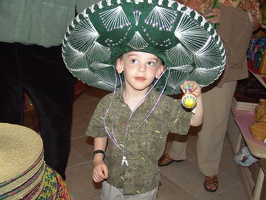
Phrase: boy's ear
{"type": "Point", "coordinates": [119, 65]}
{"type": "Point", "coordinates": [159, 71]}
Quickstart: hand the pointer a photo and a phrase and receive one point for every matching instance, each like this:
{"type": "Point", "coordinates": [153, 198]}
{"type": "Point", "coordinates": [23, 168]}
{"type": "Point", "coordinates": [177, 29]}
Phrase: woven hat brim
{"type": "Point", "coordinates": [23, 190]}
{"type": "Point", "coordinates": [182, 38]}
{"type": "Point", "coordinates": [23, 181]}
{"type": "Point", "coordinates": [48, 184]}
{"type": "Point", "coordinates": [20, 147]}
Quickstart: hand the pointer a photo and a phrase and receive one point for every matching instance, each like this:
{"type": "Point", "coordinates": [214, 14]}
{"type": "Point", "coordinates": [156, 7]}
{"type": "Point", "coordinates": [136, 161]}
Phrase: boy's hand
{"type": "Point", "coordinates": [100, 170]}
{"type": "Point", "coordinates": [194, 87]}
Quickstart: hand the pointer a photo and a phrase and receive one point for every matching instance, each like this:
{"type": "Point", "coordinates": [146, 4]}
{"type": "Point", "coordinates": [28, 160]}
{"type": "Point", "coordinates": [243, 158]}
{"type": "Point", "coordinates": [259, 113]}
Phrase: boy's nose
{"type": "Point", "coordinates": [142, 68]}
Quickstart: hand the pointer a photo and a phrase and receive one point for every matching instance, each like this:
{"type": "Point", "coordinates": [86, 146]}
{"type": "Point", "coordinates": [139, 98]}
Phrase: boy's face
{"type": "Point", "coordinates": [139, 69]}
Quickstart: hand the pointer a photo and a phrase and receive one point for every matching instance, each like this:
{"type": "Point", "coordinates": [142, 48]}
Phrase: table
{"type": "Point", "coordinates": [260, 179]}
{"type": "Point", "coordinates": [257, 148]}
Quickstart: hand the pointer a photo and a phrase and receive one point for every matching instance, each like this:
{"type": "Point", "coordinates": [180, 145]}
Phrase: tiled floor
{"type": "Point", "coordinates": [178, 181]}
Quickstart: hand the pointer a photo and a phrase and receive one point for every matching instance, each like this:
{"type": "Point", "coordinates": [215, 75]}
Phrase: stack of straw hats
{"type": "Point", "coordinates": [23, 171]}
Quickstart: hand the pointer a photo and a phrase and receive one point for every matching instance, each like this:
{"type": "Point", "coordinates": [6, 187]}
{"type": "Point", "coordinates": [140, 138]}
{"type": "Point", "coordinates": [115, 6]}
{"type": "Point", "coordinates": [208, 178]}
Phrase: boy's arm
{"type": "Point", "coordinates": [100, 171]}
{"type": "Point", "coordinates": [197, 117]}
{"type": "Point", "coordinates": [100, 144]}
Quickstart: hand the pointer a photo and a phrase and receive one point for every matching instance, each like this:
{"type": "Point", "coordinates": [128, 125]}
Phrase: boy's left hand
{"type": "Point", "coordinates": [194, 87]}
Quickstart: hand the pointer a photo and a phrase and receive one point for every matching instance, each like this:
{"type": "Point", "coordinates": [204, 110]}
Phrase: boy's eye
{"type": "Point", "coordinates": [133, 61]}
{"type": "Point", "coordinates": [150, 63]}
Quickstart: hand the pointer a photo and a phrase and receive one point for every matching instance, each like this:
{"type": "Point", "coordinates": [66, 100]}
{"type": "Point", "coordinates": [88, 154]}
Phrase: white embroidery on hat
{"type": "Point", "coordinates": [104, 74]}
{"type": "Point", "coordinates": [176, 78]}
{"type": "Point", "coordinates": [190, 34]}
{"type": "Point", "coordinates": [97, 65]}
{"type": "Point", "coordinates": [109, 2]}
{"type": "Point", "coordinates": [84, 37]}
{"type": "Point", "coordinates": [100, 5]}
{"type": "Point", "coordinates": [140, 1]}
{"type": "Point", "coordinates": [75, 59]}
{"type": "Point", "coordinates": [162, 18]}
{"type": "Point", "coordinates": [137, 42]}
{"type": "Point", "coordinates": [200, 73]}
{"type": "Point", "coordinates": [170, 3]}
{"type": "Point", "coordinates": [160, 2]}
{"type": "Point", "coordinates": [136, 16]}
{"type": "Point", "coordinates": [179, 55]}
{"type": "Point", "coordinates": [206, 56]}
{"type": "Point", "coordinates": [114, 18]}
{"type": "Point", "coordinates": [98, 53]}
{"type": "Point", "coordinates": [184, 68]}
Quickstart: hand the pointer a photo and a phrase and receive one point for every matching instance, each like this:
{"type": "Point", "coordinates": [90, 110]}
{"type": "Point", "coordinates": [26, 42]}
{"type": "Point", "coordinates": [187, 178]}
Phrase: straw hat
{"type": "Point", "coordinates": [23, 172]}
{"type": "Point", "coordinates": [188, 45]}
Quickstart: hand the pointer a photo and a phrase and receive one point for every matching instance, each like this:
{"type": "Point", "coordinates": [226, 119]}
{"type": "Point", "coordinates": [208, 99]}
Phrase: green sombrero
{"type": "Point", "coordinates": [188, 45]}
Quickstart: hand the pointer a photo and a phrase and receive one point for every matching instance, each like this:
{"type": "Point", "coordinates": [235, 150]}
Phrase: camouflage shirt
{"type": "Point", "coordinates": [144, 141]}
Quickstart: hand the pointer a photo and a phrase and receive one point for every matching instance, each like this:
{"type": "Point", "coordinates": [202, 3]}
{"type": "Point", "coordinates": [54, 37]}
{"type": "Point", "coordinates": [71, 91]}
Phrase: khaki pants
{"type": "Point", "coordinates": [112, 193]}
{"type": "Point", "coordinates": [217, 103]}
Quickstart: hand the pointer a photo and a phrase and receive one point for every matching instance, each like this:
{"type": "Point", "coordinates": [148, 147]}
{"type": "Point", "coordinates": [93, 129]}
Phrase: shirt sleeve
{"type": "Point", "coordinates": [178, 118]}
{"type": "Point", "coordinates": [35, 22]}
{"type": "Point", "coordinates": [96, 125]}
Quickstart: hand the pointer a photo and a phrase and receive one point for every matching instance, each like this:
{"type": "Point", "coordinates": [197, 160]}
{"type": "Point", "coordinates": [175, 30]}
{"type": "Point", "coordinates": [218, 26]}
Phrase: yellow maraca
{"type": "Point", "coordinates": [188, 100]}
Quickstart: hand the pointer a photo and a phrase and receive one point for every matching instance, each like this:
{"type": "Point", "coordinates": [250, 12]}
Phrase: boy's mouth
{"type": "Point", "coordinates": [140, 78]}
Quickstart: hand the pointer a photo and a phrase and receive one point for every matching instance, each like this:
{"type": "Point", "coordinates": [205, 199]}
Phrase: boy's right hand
{"type": "Point", "coordinates": [194, 88]}
{"type": "Point", "coordinates": [100, 170]}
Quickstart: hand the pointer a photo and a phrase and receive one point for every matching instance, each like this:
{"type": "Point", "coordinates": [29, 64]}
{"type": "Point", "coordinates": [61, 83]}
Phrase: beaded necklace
{"type": "Point", "coordinates": [111, 134]}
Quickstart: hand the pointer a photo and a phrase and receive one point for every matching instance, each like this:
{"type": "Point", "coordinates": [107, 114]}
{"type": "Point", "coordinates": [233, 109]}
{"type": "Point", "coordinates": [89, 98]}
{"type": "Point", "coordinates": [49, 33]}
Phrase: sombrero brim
{"type": "Point", "coordinates": [182, 38]}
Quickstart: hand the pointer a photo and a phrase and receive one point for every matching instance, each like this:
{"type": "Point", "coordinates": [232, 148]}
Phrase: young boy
{"type": "Point", "coordinates": [148, 49]}
{"type": "Point", "coordinates": [137, 127]}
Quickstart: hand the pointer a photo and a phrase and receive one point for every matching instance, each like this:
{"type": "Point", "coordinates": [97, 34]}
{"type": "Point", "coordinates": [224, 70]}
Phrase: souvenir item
{"type": "Point", "coordinates": [23, 171]}
{"type": "Point", "coordinates": [188, 100]}
{"type": "Point", "coordinates": [186, 42]}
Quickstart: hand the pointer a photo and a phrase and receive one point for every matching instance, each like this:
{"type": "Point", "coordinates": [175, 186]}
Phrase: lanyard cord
{"type": "Point", "coordinates": [111, 135]}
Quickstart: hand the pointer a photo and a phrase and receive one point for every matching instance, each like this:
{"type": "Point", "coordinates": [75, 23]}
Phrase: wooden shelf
{"type": "Point", "coordinates": [261, 77]}
{"type": "Point", "coordinates": [257, 148]}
